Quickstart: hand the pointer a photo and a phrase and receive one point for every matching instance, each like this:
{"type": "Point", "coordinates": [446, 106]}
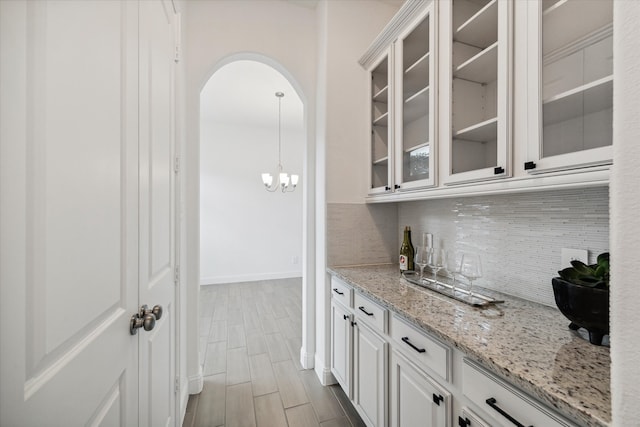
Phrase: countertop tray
{"type": "Point", "coordinates": [444, 287]}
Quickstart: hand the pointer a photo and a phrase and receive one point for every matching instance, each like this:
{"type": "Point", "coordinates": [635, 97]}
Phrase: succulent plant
{"type": "Point", "coordinates": [592, 276]}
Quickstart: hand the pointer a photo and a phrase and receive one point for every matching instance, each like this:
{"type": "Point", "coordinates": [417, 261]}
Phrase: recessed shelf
{"type": "Point", "coordinates": [585, 16]}
{"type": "Point", "coordinates": [586, 99]}
{"type": "Point", "coordinates": [481, 68]}
{"type": "Point", "coordinates": [481, 30]}
{"type": "Point", "coordinates": [381, 95]}
{"type": "Point", "coordinates": [382, 120]}
{"type": "Point", "coordinates": [416, 106]}
{"type": "Point", "coordinates": [480, 132]}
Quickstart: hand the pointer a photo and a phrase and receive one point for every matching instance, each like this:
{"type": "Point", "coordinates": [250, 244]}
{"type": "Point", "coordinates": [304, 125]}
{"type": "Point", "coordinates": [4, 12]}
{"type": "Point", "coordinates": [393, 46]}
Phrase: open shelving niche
{"type": "Point", "coordinates": [380, 125]}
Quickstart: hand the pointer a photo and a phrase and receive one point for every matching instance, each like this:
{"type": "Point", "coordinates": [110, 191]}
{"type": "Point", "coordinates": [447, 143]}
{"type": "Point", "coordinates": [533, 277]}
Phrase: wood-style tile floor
{"type": "Point", "coordinates": [250, 338]}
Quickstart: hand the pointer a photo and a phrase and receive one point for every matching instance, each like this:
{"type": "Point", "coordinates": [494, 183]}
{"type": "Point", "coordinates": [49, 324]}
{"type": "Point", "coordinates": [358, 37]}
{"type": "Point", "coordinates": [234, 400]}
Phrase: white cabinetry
{"type": "Point", "coordinates": [476, 89]}
{"type": "Point", "coordinates": [341, 339]}
{"type": "Point", "coordinates": [416, 399]}
{"type": "Point", "coordinates": [402, 98]}
{"type": "Point", "coordinates": [571, 89]}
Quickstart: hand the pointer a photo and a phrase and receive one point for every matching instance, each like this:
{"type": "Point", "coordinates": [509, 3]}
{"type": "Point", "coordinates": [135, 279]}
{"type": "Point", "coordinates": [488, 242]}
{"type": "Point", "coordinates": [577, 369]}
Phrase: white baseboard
{"type": "Point", "coordinates": [217, 280]}
{"type": "Point", "coordinates": [196, 382]}
{"type": "Point", "coordinates": [306, 359]}
{"type": "Point", "coordinates": [324, 373]}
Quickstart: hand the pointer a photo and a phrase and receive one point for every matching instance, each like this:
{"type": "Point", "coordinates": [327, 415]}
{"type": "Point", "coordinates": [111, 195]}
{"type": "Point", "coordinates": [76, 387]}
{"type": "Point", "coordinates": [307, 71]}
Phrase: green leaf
{"type": "Point", "coordinates": [582, 268]}
{"type": "Point", "coordinates": [603, 257]}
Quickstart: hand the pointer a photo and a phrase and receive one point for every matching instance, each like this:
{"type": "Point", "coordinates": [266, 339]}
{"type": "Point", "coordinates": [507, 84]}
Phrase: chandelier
{"type": "Point", "coordinates": [285, 183]}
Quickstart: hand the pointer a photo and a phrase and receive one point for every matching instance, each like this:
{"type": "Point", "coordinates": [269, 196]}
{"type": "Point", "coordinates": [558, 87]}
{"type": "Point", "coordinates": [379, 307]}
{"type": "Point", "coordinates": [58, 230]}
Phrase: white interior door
{"type": "Point", "coordinates": [157, 228]}
{"type": "Point", "coordinates": [68, 213]}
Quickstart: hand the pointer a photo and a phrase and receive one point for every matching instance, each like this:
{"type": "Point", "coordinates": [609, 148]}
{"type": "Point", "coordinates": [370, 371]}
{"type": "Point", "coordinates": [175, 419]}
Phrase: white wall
{"type": "Point", "coordinates": [625, 221]}
{"type": "Point", "coordinates": [246, 232]}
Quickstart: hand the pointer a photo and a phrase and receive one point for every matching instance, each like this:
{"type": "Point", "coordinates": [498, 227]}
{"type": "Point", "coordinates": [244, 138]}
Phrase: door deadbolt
{"type": "Point", "coordinates": [145, 318]}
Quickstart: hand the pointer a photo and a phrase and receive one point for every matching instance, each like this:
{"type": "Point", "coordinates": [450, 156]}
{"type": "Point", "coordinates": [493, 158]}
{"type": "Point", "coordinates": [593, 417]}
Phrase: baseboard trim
{"type": "Point", "coordinates": [324, 373]}
{"type": "Point", "coordinates": [306, 359]}
{"type": "Point", "coordinates": [196, 382]}
{"type": "Point", "coordinates": [217, 280]}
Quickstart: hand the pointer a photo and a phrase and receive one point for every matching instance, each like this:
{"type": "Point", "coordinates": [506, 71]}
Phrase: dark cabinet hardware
{"type": "Point", "coordinates": [361, 308]}
{"type": "Point", "coordinates": [529, 165]}
{"type": "Point", "coordinates": [345, 317]}
{"type": "Point", "coordinates": [437, 399]}
{"type": "Point", "coordinates": [494, 404]}
{"type": "Point", "coordinates": [396, 186]}
{"type": "Point", "coordinates": [353, 324]}
{"type": "Point", "coordinates": [387, 188]}
{"type": "Point", "coordinates": [498, 170]}
{"type": "Point", "coordinates": [463, 422]}
{"type": "Point", "coordinates": [337, 291]}
{"type": "Point", "coordinates": [410, 344]}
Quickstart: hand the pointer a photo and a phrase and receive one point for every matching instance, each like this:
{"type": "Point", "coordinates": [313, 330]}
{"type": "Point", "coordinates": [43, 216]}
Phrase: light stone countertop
{"type": "Point", "coordinates": [526, 343]}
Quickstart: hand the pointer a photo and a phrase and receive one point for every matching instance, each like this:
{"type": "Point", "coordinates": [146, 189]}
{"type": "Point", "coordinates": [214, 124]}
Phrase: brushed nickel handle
{"type": "Point", "coordinates": [148, 321]}
{"type": "Point", "coordinates": [156, 311]}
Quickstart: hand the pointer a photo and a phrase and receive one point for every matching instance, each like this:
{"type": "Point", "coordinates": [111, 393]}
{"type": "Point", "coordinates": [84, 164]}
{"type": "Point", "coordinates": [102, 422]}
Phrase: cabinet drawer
{"type": "Point", "coordinates": [370, 312]}
{"type": "Point", "coordinates": [342, 292]}
{"type": "Point", "coordinates": [421, 348]}
{"type": "Point", "coordinates": [503, 401]}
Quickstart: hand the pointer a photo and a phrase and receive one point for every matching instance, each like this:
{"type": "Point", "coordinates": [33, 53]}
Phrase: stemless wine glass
{"type": "Point", "coordinates": [421, 258]}
{"type": "Point", "coordinates": [436, 261]}
{"type": "Point", "coordinates": [471, 268]}
{"type": "Point", "coordinates": [454, 259]}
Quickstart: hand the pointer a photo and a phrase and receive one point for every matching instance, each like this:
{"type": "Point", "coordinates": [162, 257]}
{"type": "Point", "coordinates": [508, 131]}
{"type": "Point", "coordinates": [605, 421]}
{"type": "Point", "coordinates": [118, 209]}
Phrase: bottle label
{"type": "Point", "coordinates": [404, 263]}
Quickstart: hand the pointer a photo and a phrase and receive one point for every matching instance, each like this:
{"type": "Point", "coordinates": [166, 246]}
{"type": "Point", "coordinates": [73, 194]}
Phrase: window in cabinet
{"type": "Point", "coordinates": [380, 126]}
{"type": "Point", "coordinates": [415, 130]}
{"type": "Point", "coordinates": [480, 78]}
{"type": "Point", "coordinates": [572, 97]}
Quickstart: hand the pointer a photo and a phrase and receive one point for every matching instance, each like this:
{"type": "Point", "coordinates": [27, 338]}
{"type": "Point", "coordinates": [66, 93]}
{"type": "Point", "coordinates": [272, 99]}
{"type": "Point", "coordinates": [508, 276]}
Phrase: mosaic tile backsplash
{"type": "Point", "coordinates": [518, 236]}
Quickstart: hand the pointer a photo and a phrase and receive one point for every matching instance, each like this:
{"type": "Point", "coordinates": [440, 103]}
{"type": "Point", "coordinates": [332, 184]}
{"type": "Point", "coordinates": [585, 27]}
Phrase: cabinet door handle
{"type": "Point", "coordinates": [463, 422]}
{"type": "Point", "coordinates": [493, 403]}
{"type": "Point", "coordinates": [529, 165]}
{"type": "Point", "coordinates": [345, 317]}
{"type": "Point", "coordinates": [337, 291]}
{"type": "Point", "coordinates": [361, 308]}
{"type": "Point", "coordinates": [410, 344]}
{"type": "Point", "coordinates": [498, 170]}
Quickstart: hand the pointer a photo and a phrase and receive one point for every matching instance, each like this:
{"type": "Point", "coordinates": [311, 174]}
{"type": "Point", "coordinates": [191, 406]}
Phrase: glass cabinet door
{"type": "Point", "coordinates": [415, 118]}
{"type": "Point", "coordinates": [573, 96]}
{"type": "Point", "coordinates": [480, 96]}
{"type": "Point", "coordinates": [381, 138]}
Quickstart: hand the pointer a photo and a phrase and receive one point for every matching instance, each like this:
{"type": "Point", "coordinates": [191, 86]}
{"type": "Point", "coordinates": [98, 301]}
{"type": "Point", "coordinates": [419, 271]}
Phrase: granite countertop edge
{"type": "Point", "coordinates": [555, 397]}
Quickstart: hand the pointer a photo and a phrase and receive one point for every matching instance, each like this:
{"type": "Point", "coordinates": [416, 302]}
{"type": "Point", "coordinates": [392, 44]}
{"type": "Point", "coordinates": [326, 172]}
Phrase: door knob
{"type": "Point", "coordinates": [148, 321]}
{"type": "Point", "coordinates": [156, 311]}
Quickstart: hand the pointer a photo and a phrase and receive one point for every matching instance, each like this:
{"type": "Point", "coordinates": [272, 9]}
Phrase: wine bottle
{"type": "Point", "coordinates": [406, 251]}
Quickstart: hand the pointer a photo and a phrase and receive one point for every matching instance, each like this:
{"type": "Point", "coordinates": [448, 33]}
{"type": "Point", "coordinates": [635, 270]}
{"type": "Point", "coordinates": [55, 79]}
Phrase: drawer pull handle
{"type": "Point", "coordinates": [361, 308]}
{"type": "Point", "coordinates": [337, 291]}
{"type": "Point", "coordinates": [410, 344]}
{"type": "Point", "coordinates": [493, 403]}
{"type": "Point", "coordinates": [463, 422]}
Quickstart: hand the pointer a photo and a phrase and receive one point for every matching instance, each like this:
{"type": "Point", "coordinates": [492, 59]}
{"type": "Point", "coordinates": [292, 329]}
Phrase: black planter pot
{"type": "Point", "coordinates": [585, 307]}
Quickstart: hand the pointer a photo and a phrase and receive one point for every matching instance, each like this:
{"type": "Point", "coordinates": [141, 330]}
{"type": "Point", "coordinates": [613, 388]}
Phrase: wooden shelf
{"type": "Point", "coordinates": [381, 95]}
{"type": "Point", "coordinates": [382, 120]}
{"type": "Point", "coordinates": [416, 76]}
{"type": "Point", "coordinates": [416, 106]}
{"type": "Point", "coordinates": [586, 99]}
{"type": "Point", "coordinates": [416, 147]}
{"type": "Point", "coordinates": [481, 68]}
{"type": "Point", "coordinates": [584, 16]}
{"type": "Point", "coordinates": [481, 30]}
{"type": "Point", "coordinates": [381, 161]}
{"type": "Point", "coordinates": [480, 132]}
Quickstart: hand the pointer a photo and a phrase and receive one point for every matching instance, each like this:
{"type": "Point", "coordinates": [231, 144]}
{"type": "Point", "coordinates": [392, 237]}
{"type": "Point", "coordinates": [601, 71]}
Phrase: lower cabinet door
{"type": "Point", "coordinates": [416, 399]}
{"type": "Point", "coordinates": [341, 346]}
{"type": "Point", "coordinates": [369, 375]}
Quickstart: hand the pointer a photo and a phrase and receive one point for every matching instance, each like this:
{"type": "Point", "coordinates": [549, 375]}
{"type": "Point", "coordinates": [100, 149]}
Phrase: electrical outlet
{"type": "Point", "coordinates": [567, 255]}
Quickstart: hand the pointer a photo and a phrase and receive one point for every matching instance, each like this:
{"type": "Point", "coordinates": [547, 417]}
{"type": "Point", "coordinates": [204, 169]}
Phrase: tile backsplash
{"type": "Point", "coordinates": [519, 236]}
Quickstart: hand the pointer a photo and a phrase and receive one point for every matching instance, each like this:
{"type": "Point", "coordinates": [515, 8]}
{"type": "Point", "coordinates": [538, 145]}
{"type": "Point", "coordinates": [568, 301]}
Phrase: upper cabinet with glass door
{"type": "Point", "coordinates": [414, 56]}
{"type": "Point", "coordinates": [381, 144]}
{"type": "Point", "coordinates": [478, 129]}
{"type": "Point", "coordinates": [571, 92]}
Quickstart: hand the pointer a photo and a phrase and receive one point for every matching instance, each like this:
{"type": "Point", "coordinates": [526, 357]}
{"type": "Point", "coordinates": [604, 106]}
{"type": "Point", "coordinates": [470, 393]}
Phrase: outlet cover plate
{"type": "Point", "coordinates": [567, 255]}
